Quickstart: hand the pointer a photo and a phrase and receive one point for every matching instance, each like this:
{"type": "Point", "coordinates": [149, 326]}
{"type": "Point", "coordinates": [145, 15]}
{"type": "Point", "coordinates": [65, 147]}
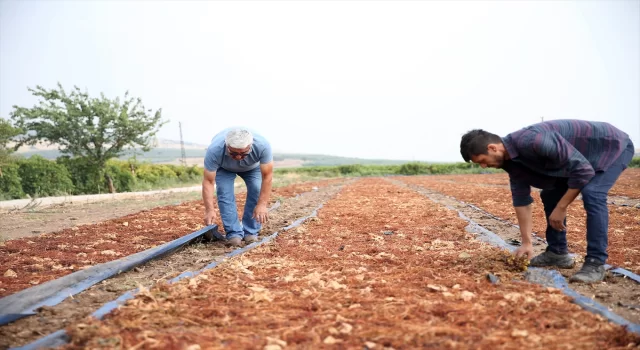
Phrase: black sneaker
{"type": "Point", "coordinates": [591, 272]}
{"type": "Point", "coordinates": [549, 258]}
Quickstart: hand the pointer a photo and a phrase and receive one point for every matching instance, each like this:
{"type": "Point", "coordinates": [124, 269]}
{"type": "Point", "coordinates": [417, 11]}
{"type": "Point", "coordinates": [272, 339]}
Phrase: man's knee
{"type": "Point", "coordinates": [225, 191]}
{"type": "Point", "coordinates": [253, 184]}
{"type": "Point", "coordinates": [253, 187]}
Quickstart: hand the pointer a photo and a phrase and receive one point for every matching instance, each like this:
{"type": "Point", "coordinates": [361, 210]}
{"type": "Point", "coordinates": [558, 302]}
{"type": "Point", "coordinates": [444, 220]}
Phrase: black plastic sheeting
{"type": "Point", "coordinates": [552, 278]}
{"type": "Point", "coordinates": [549, 278]}
{"type": "Point", "coordinates": [60, 337]}
{"type": "Point", "coordinates": [25, 302]}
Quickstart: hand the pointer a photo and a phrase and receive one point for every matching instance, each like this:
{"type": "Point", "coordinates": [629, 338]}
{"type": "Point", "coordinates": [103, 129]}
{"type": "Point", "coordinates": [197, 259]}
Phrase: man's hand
{"type": "Point", "coordinates": [526, 250]}
{"type": "Point", "coordinates": [556, 219]}
{"type": "Point", "coordinates": [209, 217]}
{"type": "Point", "coordinates": [261, 214]}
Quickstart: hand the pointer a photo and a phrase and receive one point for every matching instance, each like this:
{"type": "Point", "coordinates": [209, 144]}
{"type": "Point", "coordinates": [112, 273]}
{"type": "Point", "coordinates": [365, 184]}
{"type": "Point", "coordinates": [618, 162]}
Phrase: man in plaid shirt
{"type": "Point", "coordinates": [564, 158]}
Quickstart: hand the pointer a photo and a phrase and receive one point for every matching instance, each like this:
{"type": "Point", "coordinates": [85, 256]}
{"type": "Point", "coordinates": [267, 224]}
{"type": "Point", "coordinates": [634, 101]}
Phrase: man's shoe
{"type": "Point", "coordinates": [248, 239]}
{"type": "Point", "coordinates": [549, 258]}
{"type": "Point", "coordinates": [234, 242]}
{"type": "Point", "coordinates": [591, 272]}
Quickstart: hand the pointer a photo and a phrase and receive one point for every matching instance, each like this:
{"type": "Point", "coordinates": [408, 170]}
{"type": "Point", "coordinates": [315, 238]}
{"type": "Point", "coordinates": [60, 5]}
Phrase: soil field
{"type": "Point", "coordinates": [619, 294]}
{"type": "Point", "coordinates": [29, 261]}
{"type": "Point", "coordinates": [35, 220]}
{"type": "Point", "coordinates": [381, 267]}
{"type": "Point", "coordinates": [189, 258]}
{"type": "Point", "coordinates": [624, 222]}
{"type": "Point", "coordinates": [628, 185]}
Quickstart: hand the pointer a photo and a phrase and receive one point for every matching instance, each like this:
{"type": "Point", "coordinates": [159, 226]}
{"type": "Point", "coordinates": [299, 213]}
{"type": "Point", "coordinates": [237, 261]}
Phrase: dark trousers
{"type": "Point", "coordinates": [594, 197]}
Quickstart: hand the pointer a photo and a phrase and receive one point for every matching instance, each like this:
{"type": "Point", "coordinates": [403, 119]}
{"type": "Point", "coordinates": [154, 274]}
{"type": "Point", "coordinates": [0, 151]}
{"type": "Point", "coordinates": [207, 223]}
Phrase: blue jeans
{"type": "Point", "coordinates": [594, 197]}
{"type": "Point", "coordinates": [227, 202]}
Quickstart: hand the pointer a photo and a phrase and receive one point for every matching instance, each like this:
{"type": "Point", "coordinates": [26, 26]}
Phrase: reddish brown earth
{"type": "Point", "coordinates": [624, 222]}
{"type": "Point", "coordinates": [382, 267]}
{"type": "Point", "coordinates": [628, 185]}
{"type": "Point", "coordinates": [26, 262]}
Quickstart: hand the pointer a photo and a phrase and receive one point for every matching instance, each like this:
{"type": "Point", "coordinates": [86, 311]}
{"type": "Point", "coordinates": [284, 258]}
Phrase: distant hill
{"type": "Point", "coordinates": [168, 152]}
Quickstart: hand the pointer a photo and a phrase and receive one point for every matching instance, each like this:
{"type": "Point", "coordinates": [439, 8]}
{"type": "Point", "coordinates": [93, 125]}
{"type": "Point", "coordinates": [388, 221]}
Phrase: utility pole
{"type": "Point", "coordinates": [541, 119]}
{"type": "Point", "coordinates": [184, 154]}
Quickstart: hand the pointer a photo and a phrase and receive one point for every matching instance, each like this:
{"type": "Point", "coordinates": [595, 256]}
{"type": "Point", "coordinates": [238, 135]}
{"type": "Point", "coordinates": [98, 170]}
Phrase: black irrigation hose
{"type": "Point", "coordinates": [25, 302]}
{"type": "Point", "coordinates": [60, 337]}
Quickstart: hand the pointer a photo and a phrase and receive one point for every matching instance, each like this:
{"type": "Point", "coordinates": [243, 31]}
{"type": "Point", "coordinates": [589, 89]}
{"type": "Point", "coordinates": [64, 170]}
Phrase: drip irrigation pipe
{"type": "Point", "coordinates": [25, 302]}
{"type": "Point", "coordinates": [60, 337]}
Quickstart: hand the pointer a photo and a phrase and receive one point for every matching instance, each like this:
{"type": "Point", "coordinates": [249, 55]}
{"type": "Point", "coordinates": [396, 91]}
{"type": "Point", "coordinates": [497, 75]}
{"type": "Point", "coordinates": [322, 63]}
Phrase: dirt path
{"type": "Point", "coordinates": [90, 198]}
{"type": "Point", "coordinates": [381, 267]}
{"type": "Point", "coordinates": [38, 220]}
{"type": "Point", "coordinates": [191, 258]}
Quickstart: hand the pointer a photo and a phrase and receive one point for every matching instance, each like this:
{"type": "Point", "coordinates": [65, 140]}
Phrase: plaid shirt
{"type": "Point", "coordinates": [560, 150]}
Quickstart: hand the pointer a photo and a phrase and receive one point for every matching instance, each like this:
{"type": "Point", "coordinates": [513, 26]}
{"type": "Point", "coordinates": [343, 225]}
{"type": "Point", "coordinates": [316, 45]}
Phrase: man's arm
{"type": "Point", "coordinates": [525, 221]}
{"type": "Point", "coordinates": [559, 153]}
{"type": "Point", "coordinates": [521, 196]}
{"type": "Point", "coordinates": [208, 183]}
{"type": "Point", "coordinates": [556, 219]}
{"type": "Point", "coordinates": [261, 213]}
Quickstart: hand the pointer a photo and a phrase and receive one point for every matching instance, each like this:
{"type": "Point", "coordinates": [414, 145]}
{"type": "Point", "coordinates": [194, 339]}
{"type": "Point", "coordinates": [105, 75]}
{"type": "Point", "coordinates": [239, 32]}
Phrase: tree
{"type": "Point", "coordinates": [7, 133]}
{"type": "Point", "coordinates": [97, 129]}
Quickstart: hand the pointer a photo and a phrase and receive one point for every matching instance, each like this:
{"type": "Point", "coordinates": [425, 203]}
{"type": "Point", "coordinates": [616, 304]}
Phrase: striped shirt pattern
{"type": "Point", "coordinates": [570, 149]}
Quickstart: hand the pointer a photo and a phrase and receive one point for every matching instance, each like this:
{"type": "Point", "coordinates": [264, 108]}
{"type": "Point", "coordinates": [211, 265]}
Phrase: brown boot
{"type": "Point", "coordinates": [234, 242]}
{"type": "Point", "coordinates": [248, 239]}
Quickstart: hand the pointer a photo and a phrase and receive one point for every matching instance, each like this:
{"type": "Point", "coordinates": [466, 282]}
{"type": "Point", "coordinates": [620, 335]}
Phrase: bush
{"type": "Point", "coordinates": [41, 177]}
{"type": "Point", "coordinates": [87, 179]}
{"type": "Point", "coordinates": [10, 184]}
{"type": "Point", "coordinates": [153, 174]}
{"type": "Point", "coordinates": [415, 168]}
{"type": "Point", "coordinates": [150, 176]}
{"type": "Point", "coordinates": [121, 176]}
{"type": "Point", "coordinates": [635, 162]}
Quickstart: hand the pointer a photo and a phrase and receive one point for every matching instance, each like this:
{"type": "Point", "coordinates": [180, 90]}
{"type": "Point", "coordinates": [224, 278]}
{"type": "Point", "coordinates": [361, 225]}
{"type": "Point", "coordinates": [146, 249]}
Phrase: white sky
{"type": "Point", "coordinates": [394, 80]}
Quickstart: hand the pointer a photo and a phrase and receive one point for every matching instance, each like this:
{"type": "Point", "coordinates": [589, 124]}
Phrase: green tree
{"type": "Point", "coordinates": [97, 129]}
{"type": "Point", "coordinates": [7, 133]}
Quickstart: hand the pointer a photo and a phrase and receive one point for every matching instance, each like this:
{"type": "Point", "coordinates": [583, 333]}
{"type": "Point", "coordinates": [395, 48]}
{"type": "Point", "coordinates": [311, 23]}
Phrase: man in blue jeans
{"type": "Point", "coordinates": [564, 158]}
{"type": "Point", "coordinates": [238, 152]}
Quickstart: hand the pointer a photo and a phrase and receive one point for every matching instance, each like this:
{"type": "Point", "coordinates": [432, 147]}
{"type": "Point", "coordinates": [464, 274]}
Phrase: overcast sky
{"type": "Point", "coordinates": [394, 80]}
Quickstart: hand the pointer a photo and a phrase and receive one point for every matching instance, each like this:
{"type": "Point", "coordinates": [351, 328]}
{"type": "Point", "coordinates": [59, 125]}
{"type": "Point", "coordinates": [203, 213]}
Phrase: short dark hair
{"type": "Point", "coordinates": [475, 142]}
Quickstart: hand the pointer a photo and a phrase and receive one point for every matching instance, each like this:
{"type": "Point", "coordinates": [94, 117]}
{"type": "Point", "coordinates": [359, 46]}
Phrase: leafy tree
{"type": "Point", "coordinates": [97, 129]}
{"type": "Point", "coordinates": [7, 133]}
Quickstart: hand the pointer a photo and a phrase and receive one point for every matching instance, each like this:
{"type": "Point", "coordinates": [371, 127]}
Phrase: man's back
{"type": "Point", "coordinates": [600, 143]}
